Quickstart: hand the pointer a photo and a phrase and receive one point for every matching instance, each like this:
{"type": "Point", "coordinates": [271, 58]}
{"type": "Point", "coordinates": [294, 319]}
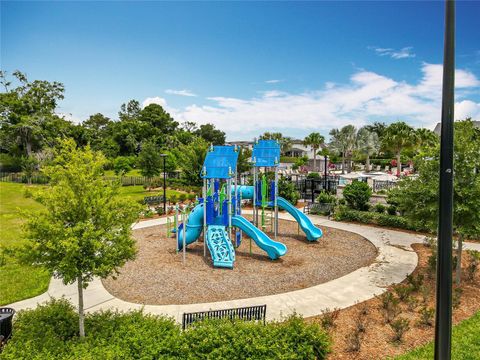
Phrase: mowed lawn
{"type": "Point", "coordinates": [465, 343]}
{"type": "Point", "coordinates": [17, 282]}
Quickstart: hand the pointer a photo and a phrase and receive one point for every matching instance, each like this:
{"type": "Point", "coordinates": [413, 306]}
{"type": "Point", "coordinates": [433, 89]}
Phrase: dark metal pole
{"type": "Point", "coordinates": [164, 187]}
{"type": "Point", "coordinates": [443, 323]}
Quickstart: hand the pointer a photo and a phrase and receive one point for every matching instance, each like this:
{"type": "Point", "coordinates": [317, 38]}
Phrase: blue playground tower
{"type": "Point", "coordinates": [218, 212]}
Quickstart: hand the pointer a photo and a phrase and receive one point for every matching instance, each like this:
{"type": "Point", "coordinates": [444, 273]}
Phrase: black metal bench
{"type": "Point", "coordinates": [318, 208]}
{"type": "Point", "coordinates": [153, 200]}
{"type": "Point", "coordinates": [249, 313]}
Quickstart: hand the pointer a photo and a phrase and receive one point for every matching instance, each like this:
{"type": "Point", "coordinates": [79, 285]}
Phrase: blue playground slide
{"type": "Point", "coordinates": [220, 246]}
{"type": "Point", "coordinates": [272, 248]}
{"type": "Point", "coordinates": [193, 228]}
{"type": "Point", "coordinates": [313, 233]}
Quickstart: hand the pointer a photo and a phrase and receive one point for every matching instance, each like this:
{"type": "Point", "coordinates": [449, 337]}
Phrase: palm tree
{"type": "Point", "coordinates": [426, 138]}
{"type": "Point", "coordinates": [314, 140]}
{"type": "Point", "coordinates": [368, 144]}
{"type": "Point", "coordinates": [343, 142]}
{"type": "Point", "coordinates": [397, 137]}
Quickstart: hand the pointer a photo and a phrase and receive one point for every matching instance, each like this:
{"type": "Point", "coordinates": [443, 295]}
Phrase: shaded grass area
{"type": "Point", "coordinates": [17, 281]}
{"type": "Point", "coordinates": [137, 192]}
{"type": "Point", "coordinates": [465, 343]}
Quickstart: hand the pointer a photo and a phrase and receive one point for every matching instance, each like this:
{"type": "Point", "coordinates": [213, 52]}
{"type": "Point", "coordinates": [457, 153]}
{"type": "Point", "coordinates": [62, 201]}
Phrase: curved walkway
{"type": "Point", "coordinates": [395, 260]}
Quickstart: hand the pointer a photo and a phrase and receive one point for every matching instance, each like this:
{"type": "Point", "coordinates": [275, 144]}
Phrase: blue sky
{"type": "Point", "coordinates": [248, 67]}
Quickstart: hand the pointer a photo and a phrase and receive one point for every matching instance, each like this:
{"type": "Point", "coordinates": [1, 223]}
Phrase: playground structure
{"type": "Point", "coordinates": [218, 212]}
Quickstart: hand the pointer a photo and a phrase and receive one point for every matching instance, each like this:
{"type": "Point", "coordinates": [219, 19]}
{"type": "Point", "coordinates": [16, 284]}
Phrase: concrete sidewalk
{"type": "Point", "coordinates": [395, 260]}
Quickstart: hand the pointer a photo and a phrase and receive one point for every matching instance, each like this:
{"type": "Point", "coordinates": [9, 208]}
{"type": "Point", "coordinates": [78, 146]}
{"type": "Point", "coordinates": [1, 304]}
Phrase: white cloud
{"type": "Point", "coordinates": [273, 81]}
{"type": "Point", "coordinates": [368, 96]}
{"type": "Point", "coordinates": [69, 117]}
{"type": "Point", "coordinates": [183, 92]}
{"type": "Point", "coordinates": [403, 53]}
{"type": "Point", "coordinates": [154, 100]}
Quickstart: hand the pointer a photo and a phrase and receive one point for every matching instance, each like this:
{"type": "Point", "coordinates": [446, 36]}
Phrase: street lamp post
{"type": "Point", "coordinates": [164, 156]}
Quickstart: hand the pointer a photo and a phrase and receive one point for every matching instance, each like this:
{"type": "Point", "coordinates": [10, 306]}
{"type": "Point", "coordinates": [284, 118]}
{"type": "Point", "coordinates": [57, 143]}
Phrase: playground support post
{"type": "Point", "coordinates": [229, 207]}
{"type": "Point", "coordinates": [176, 226]}
{"type": "Point", "coordinates": [204, 194]}
{"type": "Point", "coordinates": [275, 226]}
{"type": "Point", "coordinates": [184, 218]}
{"type": "Point", "coordinates": [254, 196]}
{"type": "Point", "coordinates": [443, 323]}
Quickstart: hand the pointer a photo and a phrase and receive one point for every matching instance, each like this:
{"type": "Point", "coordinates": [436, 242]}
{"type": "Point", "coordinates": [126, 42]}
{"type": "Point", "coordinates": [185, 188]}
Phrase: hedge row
{"type": "Point", "coordinates": [50, 332]}
{"type": "Point", "coordinates": [343, 213]}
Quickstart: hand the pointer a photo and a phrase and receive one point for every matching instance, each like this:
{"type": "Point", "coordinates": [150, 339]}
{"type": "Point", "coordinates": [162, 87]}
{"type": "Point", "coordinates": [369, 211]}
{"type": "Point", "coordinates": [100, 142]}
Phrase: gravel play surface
{"type": "Point", "coordinates": [158, 276]}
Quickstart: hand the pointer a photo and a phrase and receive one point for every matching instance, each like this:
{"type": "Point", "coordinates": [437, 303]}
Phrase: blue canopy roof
{"type": "Point", "coordinates": [220, 163]}
{"type": "Point", "coordinates": [266, 153]}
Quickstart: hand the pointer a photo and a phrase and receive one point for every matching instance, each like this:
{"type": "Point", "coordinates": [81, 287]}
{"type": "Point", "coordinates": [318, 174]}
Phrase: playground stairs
{"type": "Point", "coordinates": [220, 246]}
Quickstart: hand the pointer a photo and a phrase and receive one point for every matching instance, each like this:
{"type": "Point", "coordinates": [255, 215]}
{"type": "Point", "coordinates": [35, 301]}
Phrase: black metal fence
{"type": "Point", "coordinates": [379, 185]}
{"type": "Point", "coordinates": [310, 188]}
{"type": "Point", "coordinates": [248, 313]}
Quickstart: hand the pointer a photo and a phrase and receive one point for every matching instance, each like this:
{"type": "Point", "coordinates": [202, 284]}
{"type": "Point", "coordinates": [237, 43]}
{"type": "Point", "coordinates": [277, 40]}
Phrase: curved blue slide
{"type": "Point", "coordinates": [193, 228]}
{"type": "Point", "coordinates": [313, 233]}
{"type": "Point", "coordinates": [274, 249]}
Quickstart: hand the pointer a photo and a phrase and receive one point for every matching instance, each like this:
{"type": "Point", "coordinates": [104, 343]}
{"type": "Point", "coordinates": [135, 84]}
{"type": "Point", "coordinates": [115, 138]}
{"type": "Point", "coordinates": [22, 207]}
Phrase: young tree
{"type": "Point", "coordinates": [85, 229]}
{"type": "Point", "coordinates": [368, 144]}
{"type": "Point", "coordinates": [343, 142]}
{"type": "Point", "coordinates": [149, 160]}
{"type": "Point", "coordinates": [397, 137]}
{"type": "Point", "coordinates": [29, 165]}
{"type": "Point", "coordinates": [417, 198]}
{"type": "Point", "coordinates": [314, 140]}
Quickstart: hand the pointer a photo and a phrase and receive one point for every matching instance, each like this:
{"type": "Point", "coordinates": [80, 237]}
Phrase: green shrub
{"type": "Point", "coordinates": [173, 199]}
{"type": "Point", "coordinates": [49, 332]}
{"type": "Point", "coordinates": [380, 208]}
{"type": "Point", "coordinates": [286, 189]}
{"type": "Point", "coordinates": [426, 316]}
{"type": "Point", "coordinates": [392, 210]}
{"type": "Point", "coordinates": [326, 198]}
{"type": "Point", "coordinates": [182, 197]}
{"type": "Point", "coordinates": [399, 327]}
{"type": "Point", "coordinates": [357, 194]}
{"type": "Point", "coordinates": [122, 165]}
{"type": "Point", "coordinates": [313, 175]}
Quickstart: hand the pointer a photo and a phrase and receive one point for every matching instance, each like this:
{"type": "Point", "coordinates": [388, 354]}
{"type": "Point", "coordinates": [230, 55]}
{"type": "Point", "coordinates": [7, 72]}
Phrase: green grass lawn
{"type": "Point", "coordinates": [137, 192]}
{"type": "Point", "coordinates": [133, 172]}
{"type": "Point", "coordinates": [465, 343]}
{"type": "Point", "coordinates": [17, 282]}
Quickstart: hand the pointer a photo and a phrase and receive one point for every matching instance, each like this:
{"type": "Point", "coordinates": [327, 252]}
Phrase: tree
{"type": "Point", "coordinates": [85, 229]}
{"type": "Point", "coordinates": [426, 138]}
{"type": "Point", "coordinates": [160, 121]}
{"type": "Point", "coordinates": [343, 142]}
{"type": "Point", "coordinates": [243, 162]}
{"type": "Point", "coordinates": [377, 127]}
{"type": "Point", "coordinates": [284, 141]}
{"type": "Point", "coordinates": [417, 198]}
{"type": "Point", "coordinates": [129, 111]}
{"type": "Point", "coordinates": [149, 160]}
{"type": "Point", "coordinates": [190, 159]}
{"type": "Point", "coordinates": [29, 165]}
{"type": "Point", "coordinates": [211, 135]}
{"type": "Point", "coordinates": [368, 144]}
{"type": "Point", "coordinates": [397, 137]}
{"type": "Point", "coordinates": [25, 109]}
{"type": "Point", "coordinates": [314, 140]}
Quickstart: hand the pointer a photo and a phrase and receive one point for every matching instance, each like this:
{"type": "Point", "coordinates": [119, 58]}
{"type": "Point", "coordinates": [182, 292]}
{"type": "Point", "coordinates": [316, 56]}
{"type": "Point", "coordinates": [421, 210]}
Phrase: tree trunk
{"type": "Point", "coordinates": [367, 165]}
{"type": "Point", "coordinates": [399, 164]}
{"type": "Point", "coordinates": [458, 272]}
{"type": "Point", "coordinates": [81, 316]}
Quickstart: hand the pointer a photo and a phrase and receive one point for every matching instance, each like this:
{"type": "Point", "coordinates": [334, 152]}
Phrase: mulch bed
{"type": "Point", "coordinates": [158, 276]}
{"type": "Point", "coordinates": [376, 340]}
